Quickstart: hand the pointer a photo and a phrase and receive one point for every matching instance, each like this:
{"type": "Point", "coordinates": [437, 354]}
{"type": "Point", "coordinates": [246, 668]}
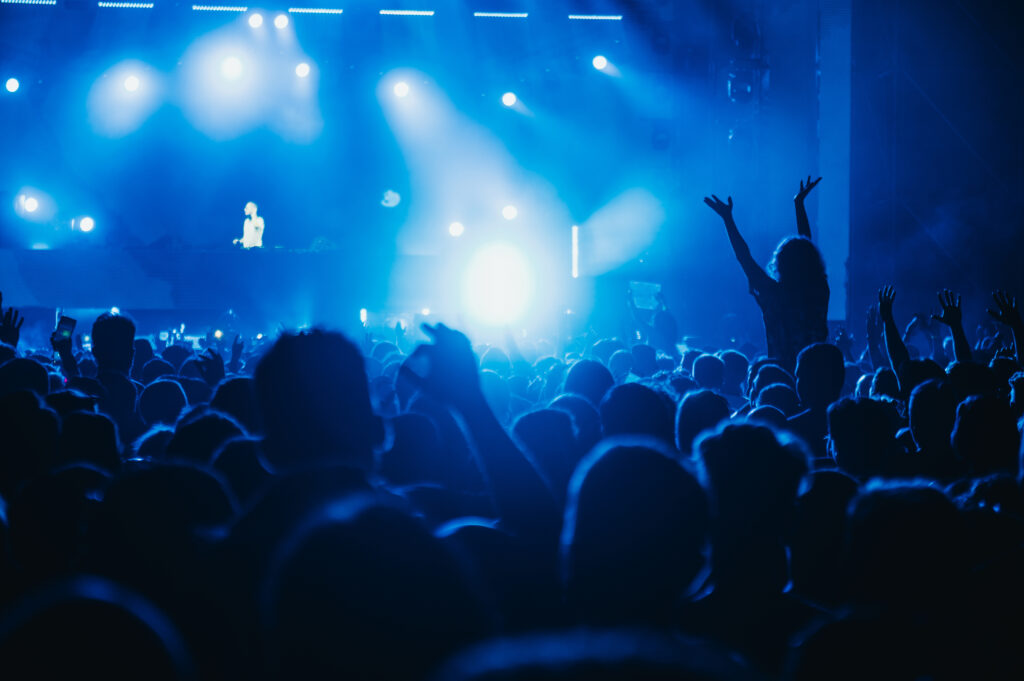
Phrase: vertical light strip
{"type": "Point", "coordinates": [575, 252]}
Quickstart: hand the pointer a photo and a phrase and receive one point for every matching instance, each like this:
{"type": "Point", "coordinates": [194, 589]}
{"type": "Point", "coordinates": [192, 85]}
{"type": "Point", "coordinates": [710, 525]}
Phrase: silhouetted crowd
{"type": "Point", "coordinates": [311, 507]}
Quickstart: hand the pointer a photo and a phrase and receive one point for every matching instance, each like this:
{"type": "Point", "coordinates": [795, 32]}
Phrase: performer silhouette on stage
{"type": "Point", "coordinates": [252, 230]}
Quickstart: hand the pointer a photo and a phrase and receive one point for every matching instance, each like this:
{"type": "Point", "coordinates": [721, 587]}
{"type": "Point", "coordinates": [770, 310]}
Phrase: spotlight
{"type": "Point", "coordinates": [231, 68]}
{"type": "Point", "coordinates": [509, 212]}
{"type": "Point", "coordinates": [256, 20]}
{"type": "Point", "coordinates": [363, 315]}
{"type": "Point", "coordinates": [302, 70]}
{"type": "Point", "coordinates": [13, 85]}
{"type": "Point", "coordinates": [218, 334]}
{"type": "Point", "coordinates": [391, 199]}
{"type": "Point", "coordinates": [456, 229]}
{"type": "Point", "coordinates": [425, 312]}
{"type": "Point", "coordinates": [401, 89]}
{"type": "Point", "coordinates": [600, 62]}
{"type": "Point", "coordinates": [131, 83]}
{"type": "Point", "coordinates": [86, 224]}
{"type": "Point", "coordinates": [31, 204]}
{"type": "Point", "coordinates": [281, 20]}
{"type": "Point", "coordinates": [115, 310]}
{"type": "Point", "coordinates": [259, 336]}
{"type": "Point", "coordinates": [498, 285]}
{"type": "Point", "coordinates": [509, 99]}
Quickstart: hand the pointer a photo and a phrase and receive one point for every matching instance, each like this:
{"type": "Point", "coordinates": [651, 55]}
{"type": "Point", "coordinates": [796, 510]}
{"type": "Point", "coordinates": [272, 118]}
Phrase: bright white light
{"type": "Point", "coordinates": [12, 85]}
{"type": "Point", "coordinates": [218, 334]}
{"type": "Point", "coordinates": [86, 224]}
{"type": "Point", "coordinates": [407, 12]}
{"type": "Point", "coordinates": [456, 229]}
{"type": "Point", "coordinates": [302, 70]}
{"type": "Point", "coordinates": [600, 63]}
{"type": "Point", "coordinates": [401, 89]}
{"type": "Point", "coordinates": [498, 285]}
{"type": "Point", "coordinates": [131, 83]}
{"type": "Point", "coordinates": [256, 20]}
{"type": "Point", "coordinates": [231, 68]}
{"type": "Point", "coordinates": [259, 336]}
{"type": "Point", "coordinates": [115, 310]}
{"type": "Point", "coordinates": [281, 20]}
{"type": "Point", "coordinates": [391, 199]}
{"type": "Point", "coordinates": [509, 99]}
{"type": "Point", "coordinates": [362, 315]}
{"type": "Point", "coordinates": [509, 212]}
{"type": "Point", "coordinates": [425, 312]}
{"type": "Point", "coordinates": [31, 204]}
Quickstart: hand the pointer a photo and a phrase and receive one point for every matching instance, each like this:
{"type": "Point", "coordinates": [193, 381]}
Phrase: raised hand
{"type": "Point", "coordinates": [1006, 311]}
{"type": "Point", "coordinates": [723, 209]}
{"type": "Point", "coordinates": [237, 346]}
{"type": "Point", "coordinates": [10, 325]}
{"type": "Point", "coordinates": [886, 296]}
{"type": "Point", "coordinates": [211, 366]}
{"type": "Point", "coordinates": [805, 189]}
{"type": "Point", "coordinates": [951, 315]}
{"type": "Point", "coordinates": [447, 369]}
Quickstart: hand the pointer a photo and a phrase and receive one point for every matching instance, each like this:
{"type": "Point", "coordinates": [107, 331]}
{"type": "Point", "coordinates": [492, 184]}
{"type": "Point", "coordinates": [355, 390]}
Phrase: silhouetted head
{"type": "Point", "coordinates": [240, 461]}
{"type": "Point", "coordinates": [29, 439]}
{"type": "Point", "coordinates": [161, 402]}
{"type": "Point", "coordinates": [635, 527]}
{"type": "Point", "coordinates": [985, 436]}
{"type": "Point", "coordinates": [736, 365]}
{"type": "Point", "coordinates": [709, 372]}
{"type": "Point", "coordinates": [932, 413]}
{"type": "Point", "coordinates": [89, 438]}
{"type": "Point", "coordinates": [113, 342]}
{"type": "Point", "coordinates": [621, 364]}
{"type": "Point", "coordinates": [769, 374]}
{"type": "Point", "coordinates": [143, 353]}
{"type": "Point", "coordinates": [698, 411]}
{"type": "Point", "coordinates": [197, 439]}
{"type": "Point", "coordinates": [23, 373]}
{"type": "Point", "coordinates": [780, 396]}
{"type": "Point", "coordinates": [645, 360]}
{"type": "Point", "coordinates": [548, 438]}
{"type": "Point", "coordinates": [862, 437]}
{"type": "Point", "coordinates": [586, 420]}
{"type": "Point", "coordinates": [769, 416]}
{"type": "Point", "coordinates": [884, 384]}
{"type": "Point", "coordinates": [91, 628]}
{"type": "Point", "coordinates": [635, 409]}
{"type": "Point", "coordinates": [590, 379]}
{"type": "Point", "coordinates": [154, 369]}
{"type": "Point", "coordinates": [315, 403]}
{"type": "Point", "coordinates": [820, 371]}
{"type": "Point", "coordinates": [797, 265]}
{"type": "Point", "coordinates": [236, 397]}
{"type": "Point", "coordinates": [365, 591]}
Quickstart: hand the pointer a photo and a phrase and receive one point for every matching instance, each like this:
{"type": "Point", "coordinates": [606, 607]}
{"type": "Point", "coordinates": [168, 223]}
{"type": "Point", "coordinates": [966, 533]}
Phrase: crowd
{"type": "Point", "coordinates": [313, 507]}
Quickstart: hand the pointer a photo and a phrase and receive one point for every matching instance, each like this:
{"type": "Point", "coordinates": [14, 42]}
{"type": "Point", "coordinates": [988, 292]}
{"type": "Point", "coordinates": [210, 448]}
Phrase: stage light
{"type": "Point", "coordinates": [302, 70]}
{"type": "Point", "coordinates": [86, 224]}
{"type": "Point", "coordinates": [498, 285]}
{"type": "Point", "coordinates": [509, 212]}
{"type": "Point", "coordinates": [425, 312]}
{"type": "Point", "coordinates": [401, 89]}
{"type": "Point", "coordinates": [456, 229]}
{"type": "Point", "coordinates": [363, 315]}
{"type": "Point", "coordinates": [256, 20]}
{"type": "Point", "coordinates": [600, 62]}
{"type": "Point", "coordinates": [115, 310]}
{"type": "Point", "coordinates": [391, 199]}
{"type": "Point", "coordinates": [218, 334]}
{"type": "Point", "coordinates": [509, 99]}
{"type": "Point", "coordinates": [31, 204]}
{"type": "Point", "coordinates": [281, 20]}
{"type": "Point", "coordinates": [259, 336]}
{"type": "Point", "coordinates": [12, 85]}
{"type": "Point", "coordinates": [131, 83]}
{"type": "Point", "coordinates": [231, 68]}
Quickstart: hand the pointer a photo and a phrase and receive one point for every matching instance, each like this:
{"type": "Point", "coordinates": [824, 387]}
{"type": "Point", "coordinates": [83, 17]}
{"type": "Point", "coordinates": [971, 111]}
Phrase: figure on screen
{"type": "Point", "coordinates": [252, 230]}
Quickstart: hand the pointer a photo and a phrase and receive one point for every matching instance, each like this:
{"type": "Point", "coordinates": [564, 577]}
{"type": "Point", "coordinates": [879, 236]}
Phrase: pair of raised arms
{"type": "Point", "coordinates": [803, 225]}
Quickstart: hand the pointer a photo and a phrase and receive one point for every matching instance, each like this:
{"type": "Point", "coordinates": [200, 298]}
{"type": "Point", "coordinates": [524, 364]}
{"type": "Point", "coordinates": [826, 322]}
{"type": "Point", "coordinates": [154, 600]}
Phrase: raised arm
{"type": "Point", "coordinates": [756, 276]}
{"type": "Point", "coordinates": [894, 346]}
{"type": "Point", "coordinates": [952, 317]}
{"type": "Point", "coordinates": [803, 225]}
{"type": "Point", "coordinates": [874, 336]}
{"type": "Point", "coordinates": [1006, 312]}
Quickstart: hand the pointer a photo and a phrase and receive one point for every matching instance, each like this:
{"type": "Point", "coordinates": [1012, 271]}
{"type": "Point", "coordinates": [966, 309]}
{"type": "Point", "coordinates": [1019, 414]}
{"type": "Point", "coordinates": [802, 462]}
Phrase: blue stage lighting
{"type": "Point", "coordinates": [498, 285]}
{"type": "Point", "coordinates": [86, 224]}
{"type": "Point", "coordinates": [115, 310]}
{"type": "Point", "coordinates": [231, 68]}
{"type": "Point", "coordinates": [12, 85]}
{"type": "Point", "coordinates": [281, 21]}
{"type": "Point", "coordinates": [302, 70]}
{"type": "Point", "coordinates": [401, 89]}
{"type": "Point", "coordinates": [131, 83]}
{"type": "Point", "coordinates": [600, 62]}
{"type": "Point", "coordinates": [456, 229]}
{"type": "Point", "coordinates": [509, 212]}
{"type": "Point", "coordinates": [256, 20]}
{"type": "Point", "coordinates": [31, 204]}
{"type": "Point", "coordinates": [509, 99]}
